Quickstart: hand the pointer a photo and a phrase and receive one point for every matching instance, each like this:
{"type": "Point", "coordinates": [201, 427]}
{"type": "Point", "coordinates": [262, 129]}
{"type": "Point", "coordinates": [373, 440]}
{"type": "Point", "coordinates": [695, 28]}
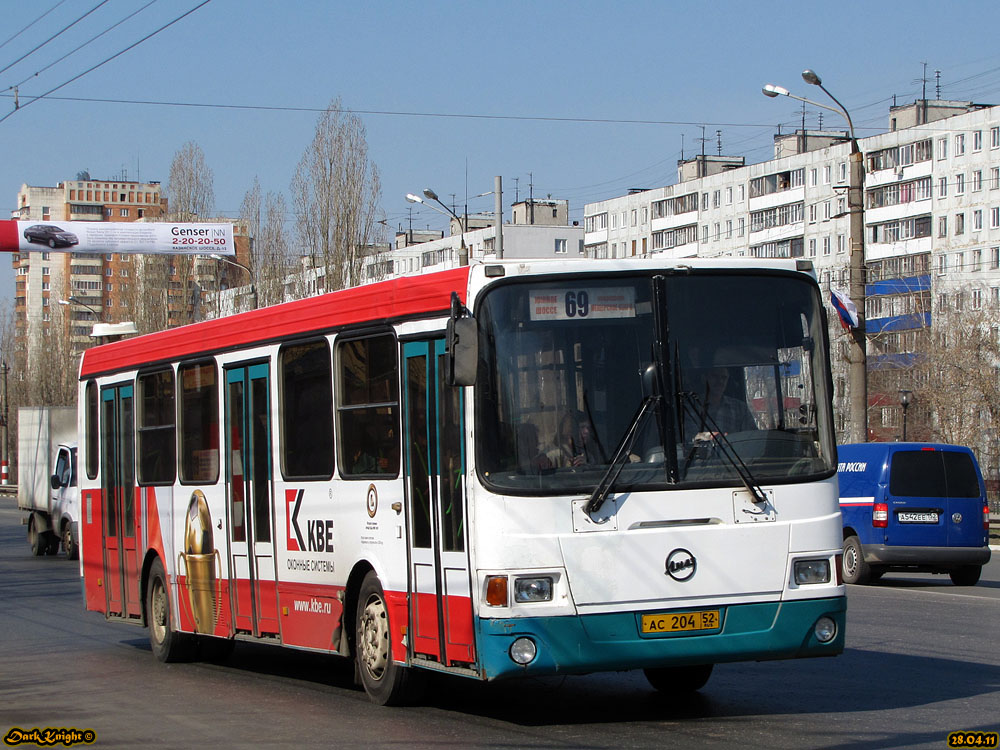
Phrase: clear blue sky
{"type": "Point", "coordinates": [560, 66]}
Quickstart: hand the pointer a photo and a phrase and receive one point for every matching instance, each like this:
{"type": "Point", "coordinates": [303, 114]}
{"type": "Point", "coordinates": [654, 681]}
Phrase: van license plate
{"type": "Point", "coordinates": [673, 622]}
{"type": "Point", "coordinates": [904, 517]}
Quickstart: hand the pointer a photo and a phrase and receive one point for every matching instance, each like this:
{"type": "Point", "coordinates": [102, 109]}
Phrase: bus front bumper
{"type": "Point", "coordinates": [613, 642]}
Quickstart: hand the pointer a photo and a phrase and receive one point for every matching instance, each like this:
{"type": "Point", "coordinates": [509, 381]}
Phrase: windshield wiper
{"type": "Point", "coordinates": [622, 452]}
{"type": "Point", "coordinates": [695, 410]}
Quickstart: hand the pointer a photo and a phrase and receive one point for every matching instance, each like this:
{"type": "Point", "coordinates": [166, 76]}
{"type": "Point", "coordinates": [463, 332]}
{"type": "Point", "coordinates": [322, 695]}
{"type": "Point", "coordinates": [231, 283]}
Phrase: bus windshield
{"type": "Point", "coordinates": [565, 364]}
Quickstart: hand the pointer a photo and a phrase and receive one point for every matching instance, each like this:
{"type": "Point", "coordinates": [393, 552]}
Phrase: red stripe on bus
{"type": "Point", "coordinates": [385, 300]}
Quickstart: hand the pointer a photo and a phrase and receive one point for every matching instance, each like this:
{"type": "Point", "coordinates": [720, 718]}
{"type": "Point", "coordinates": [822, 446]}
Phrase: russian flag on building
{"type": "Point", "coordinates": [846, 309]}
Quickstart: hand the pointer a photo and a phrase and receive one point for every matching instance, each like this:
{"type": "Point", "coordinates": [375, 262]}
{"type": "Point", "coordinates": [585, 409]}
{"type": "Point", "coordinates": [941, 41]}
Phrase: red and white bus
{"type": "Point", "coordinates": [519, 468]}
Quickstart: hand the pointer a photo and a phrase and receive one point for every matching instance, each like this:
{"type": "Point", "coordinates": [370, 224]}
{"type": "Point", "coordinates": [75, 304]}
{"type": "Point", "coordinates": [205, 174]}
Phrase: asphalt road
{"type": "Point", "coordinates": [922, 659]}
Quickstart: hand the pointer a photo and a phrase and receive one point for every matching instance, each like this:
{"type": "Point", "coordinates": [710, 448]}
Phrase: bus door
{"type": "Point", "coordinates": [438, 580]}
{"type": "Point", "coordinates": [253, 594]}
{"type": "Point", "coordinates": [120, 522]}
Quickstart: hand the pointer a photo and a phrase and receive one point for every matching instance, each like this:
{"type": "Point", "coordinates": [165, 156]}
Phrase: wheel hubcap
{"type": "Point", "coordinates": [850, 561]}
{"type": "Point", "coordinates": [159, 613]}
{"type": "Point", "coordinates": [374, 638]}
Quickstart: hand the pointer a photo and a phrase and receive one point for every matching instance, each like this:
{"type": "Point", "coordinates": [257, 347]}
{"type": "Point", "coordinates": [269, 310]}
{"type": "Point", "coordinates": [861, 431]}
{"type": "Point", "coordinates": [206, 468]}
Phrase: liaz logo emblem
{"type": "Point", "coordinates": [681, 565]}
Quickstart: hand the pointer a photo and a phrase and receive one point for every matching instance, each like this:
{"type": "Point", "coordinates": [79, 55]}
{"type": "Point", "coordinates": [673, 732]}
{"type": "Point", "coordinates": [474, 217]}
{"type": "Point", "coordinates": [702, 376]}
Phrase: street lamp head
{"type": "Point", "coordinates": [773, 91]}
{"type": "Point", "coordinates": [430, 194]}
{"type": "Point", "coordinates": [810, 77]}
{"type": "Point", "coordinates": [411, 198]}
{"type": "Point", "coordinates": [905, 397]}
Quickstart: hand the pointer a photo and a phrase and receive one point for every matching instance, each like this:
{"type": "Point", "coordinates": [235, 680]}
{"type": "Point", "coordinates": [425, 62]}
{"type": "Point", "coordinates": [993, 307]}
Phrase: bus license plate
{"type": "Point", "coordinates": [673, 622]}
{"type": "Point", "coordinates": [905, 517]}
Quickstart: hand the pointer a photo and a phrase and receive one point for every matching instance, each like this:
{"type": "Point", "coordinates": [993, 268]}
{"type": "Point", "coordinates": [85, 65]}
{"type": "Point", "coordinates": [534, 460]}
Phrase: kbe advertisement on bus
{"type": "Point", "coordinates": [167, 238]}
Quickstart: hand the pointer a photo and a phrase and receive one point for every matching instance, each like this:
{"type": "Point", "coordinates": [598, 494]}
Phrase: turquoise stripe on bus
{"type": "Point", "coordinates": [592, 643]}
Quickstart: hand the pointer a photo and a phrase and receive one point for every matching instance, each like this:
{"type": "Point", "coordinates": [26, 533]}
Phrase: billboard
{"type": "Point", "coordinates": [162, 237]}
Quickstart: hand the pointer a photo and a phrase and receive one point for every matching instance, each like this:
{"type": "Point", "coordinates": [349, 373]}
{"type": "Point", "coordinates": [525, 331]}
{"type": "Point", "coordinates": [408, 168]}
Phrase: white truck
{"type": "Point", "coordinates": [47, 488]}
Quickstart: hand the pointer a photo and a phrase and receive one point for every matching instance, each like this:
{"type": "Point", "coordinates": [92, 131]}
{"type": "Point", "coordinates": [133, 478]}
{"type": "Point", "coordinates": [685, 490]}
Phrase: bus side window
{"type": "Point", "coordinates": [368, 406]}
{"type": "Point", "coordinates": [306, 398]}
{"type": "Point", "coordinates": [199, 423]}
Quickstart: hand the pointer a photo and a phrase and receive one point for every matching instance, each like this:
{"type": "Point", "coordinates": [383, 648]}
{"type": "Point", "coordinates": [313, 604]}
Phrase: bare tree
{"type": "Point", "coordinates": [264, 220]}
{"type": "Point", "coordinates": [191, 193]}
{"type": "Point", "coordinates": [959, 391]}
{"type": "Point", "coordinates": [336, 192]}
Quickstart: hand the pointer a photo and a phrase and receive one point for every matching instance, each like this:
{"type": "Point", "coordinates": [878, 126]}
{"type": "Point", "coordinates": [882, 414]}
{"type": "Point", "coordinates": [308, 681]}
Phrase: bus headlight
{"type": "Point", "coordinates": [533, 589]}
{"type": "Point", "coordinates": [812, 571]}
{"type": "Point", "coordinates": [523, 651]}
{"type": "Point", "coordinates": [825, 630]}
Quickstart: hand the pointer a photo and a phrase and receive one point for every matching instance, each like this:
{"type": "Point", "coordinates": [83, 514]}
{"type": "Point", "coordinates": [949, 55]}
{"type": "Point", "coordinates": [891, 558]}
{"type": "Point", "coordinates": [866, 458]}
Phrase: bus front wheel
{"type": "Point", "coordinates": [383, 679]}
{"type": "Point", "coordinates": [679, 680]}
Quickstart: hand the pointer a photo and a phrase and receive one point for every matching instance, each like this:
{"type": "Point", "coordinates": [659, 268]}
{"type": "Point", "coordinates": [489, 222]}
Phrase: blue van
{"type": "Point", "coordinates": [917, 507]}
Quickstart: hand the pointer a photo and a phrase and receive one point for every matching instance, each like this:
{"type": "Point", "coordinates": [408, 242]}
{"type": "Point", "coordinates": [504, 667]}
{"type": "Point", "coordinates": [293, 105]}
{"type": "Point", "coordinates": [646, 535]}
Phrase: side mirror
{"type": "Point", "coordinates": [55, 482]}
{"type": "Point", "coordinates": [461, 345]}
{"type": "Point", "coordinates": [649, 385]}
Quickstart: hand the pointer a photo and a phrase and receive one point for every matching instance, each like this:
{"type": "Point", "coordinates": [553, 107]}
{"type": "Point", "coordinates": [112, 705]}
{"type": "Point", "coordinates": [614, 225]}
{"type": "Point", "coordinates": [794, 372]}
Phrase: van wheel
{"type": "Point", "coordinates": [38, 540]}
{"type": "Point", "coordinates": [69, 543]}
{"type": "Point", "coordinates": [679, 680]}
{"type": "Point", "coordinates": [383, 679]}
{"type": "Point", "coordinates": [856, 570]}
{"type": "Point", "coordinates": [167, 644]}
{"type": "Point", "coordinates": [967, 575]}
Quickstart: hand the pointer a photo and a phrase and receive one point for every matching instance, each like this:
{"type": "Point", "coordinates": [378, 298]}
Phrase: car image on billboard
{"type": "Point", "coordinates": [51, 235]}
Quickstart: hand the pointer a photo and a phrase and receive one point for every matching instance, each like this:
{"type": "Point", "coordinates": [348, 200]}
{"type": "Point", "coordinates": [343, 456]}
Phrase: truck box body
{"type": "Point", "coordinates": [40, 431]}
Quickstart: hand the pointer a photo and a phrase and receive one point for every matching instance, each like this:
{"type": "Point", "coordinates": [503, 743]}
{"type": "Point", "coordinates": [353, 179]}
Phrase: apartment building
{"type": "Point", "coordinates": [76, 290]}
{"type": "Point", "coordinates": [931, 220]}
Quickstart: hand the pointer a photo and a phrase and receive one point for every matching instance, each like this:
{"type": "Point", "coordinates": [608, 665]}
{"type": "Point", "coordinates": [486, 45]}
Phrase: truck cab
{"type": "Point", "coordinates": [65, 501]}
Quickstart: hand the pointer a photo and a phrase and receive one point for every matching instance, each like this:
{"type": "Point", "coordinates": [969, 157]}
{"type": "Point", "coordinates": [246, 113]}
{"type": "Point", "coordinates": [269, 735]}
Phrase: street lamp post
{"type": "Point", "coordinates": [905, 399]}
{"type": "Point", "coordinates": [253, 287]}
{"type": "Point", "coordinates": [81, 303]}
{"type": "Point", "coordinates": [463, 253]}
{"type": "Point", "coordinates": [858, 352]}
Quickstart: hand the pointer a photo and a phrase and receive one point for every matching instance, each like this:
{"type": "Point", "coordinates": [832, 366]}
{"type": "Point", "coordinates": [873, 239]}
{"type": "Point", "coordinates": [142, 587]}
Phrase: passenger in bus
{"type": "Point", "coordinates": [713, 410]}
{"type": "Point", "coordinates": [530, 459]}
{"type": "Point", "coordinates": [576, 443]}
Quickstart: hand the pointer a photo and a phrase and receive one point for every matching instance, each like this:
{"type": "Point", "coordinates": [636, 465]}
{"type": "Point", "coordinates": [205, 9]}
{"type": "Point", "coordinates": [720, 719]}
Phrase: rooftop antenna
{"type": "Point", "coordinates": [937, 76]}
{"type": "Point", "coordinates": [718, 141]}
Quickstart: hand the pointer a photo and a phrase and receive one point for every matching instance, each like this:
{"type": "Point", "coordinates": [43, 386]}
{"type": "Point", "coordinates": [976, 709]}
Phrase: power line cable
{"type": "Point", "coordinates": [64, 28]}
{"type": "Point", "coordinates": [92, 39]}
{"type": "Point", "coordinates": [32, 100]}
{"type": "Point", "coordinates": [11, 38]}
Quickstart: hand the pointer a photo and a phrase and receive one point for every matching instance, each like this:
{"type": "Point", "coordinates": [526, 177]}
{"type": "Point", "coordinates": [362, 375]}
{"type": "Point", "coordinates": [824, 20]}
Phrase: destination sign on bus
{"type": "Point", "coordinates": [583, 303]}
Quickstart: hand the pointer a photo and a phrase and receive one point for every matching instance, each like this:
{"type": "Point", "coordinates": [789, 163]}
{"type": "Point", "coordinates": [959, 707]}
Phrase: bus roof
{"type": "Point", "coordinates": [376, 303]}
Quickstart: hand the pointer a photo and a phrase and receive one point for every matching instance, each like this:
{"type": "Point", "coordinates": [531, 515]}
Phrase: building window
{"type": "Point", "coordinates": [977, 220]}
{"type": "Point", "coordinates": [841, 243]}
{"type": "Point", "coordinates": [942, 226]}
{"type": "Point", "coordinates": [959, 224]}
{"type": "Point", "coordinates": [959, 184]}
{"type": "Point", "coordinates": [560, 246]}
{"type": "Point", "coordinates": [977, 299]}
{"type": "Point", "coordinates": [826, 245]}
{"type": "Point", "coordinates": [959, 144]}
{"type": "Point", "coordinates": [740, 227]}
{"type": "Point", "coordinates": [943, 187]}
{"type": "Point", "coordinates": [994, 137]}
{"type": "Point", "coordinates": [995, 258]}
{"type": "Point", "coordinates": [812, 248]}
{"type": "Point", "coordinates": [943, 148]}
{"type": "Point", "coordinates": [977, 260]}
{"type": "Point", "coordinates": [123, 212]}
{"type": "Point", "coordinates": [977, 140]}
{"type": "Point", "coordinates": [977, 181]}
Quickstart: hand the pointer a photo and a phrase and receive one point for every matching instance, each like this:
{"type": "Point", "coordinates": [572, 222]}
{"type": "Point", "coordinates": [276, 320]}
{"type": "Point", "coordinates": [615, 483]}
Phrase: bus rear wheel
{"type": "Point", "coordinates": [168, 645]}
{"type": "Point", "coordinates": [383, 679]}
{"type": "Point", "coordinates": [679, 680]}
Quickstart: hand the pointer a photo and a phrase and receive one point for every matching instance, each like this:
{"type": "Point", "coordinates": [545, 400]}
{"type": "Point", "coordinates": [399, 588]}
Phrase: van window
{"type": "Point", "coordinates": [933, 474]}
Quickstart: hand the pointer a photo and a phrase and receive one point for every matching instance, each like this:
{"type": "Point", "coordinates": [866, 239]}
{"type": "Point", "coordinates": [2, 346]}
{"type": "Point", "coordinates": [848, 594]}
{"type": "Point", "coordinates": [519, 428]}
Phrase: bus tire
{"type": "Point", "coordinates": [69, 542]}
{"type": "Point", "coordinates": [856, 570]}
{"type": "Point", "coordinates": [967, 575]}
{"type": "Point", "coordinates": [679, 680]}
{"type": "Point", "coordinates": [383, 680]}
{"type": "Point", "coordinates": [168, 645]}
